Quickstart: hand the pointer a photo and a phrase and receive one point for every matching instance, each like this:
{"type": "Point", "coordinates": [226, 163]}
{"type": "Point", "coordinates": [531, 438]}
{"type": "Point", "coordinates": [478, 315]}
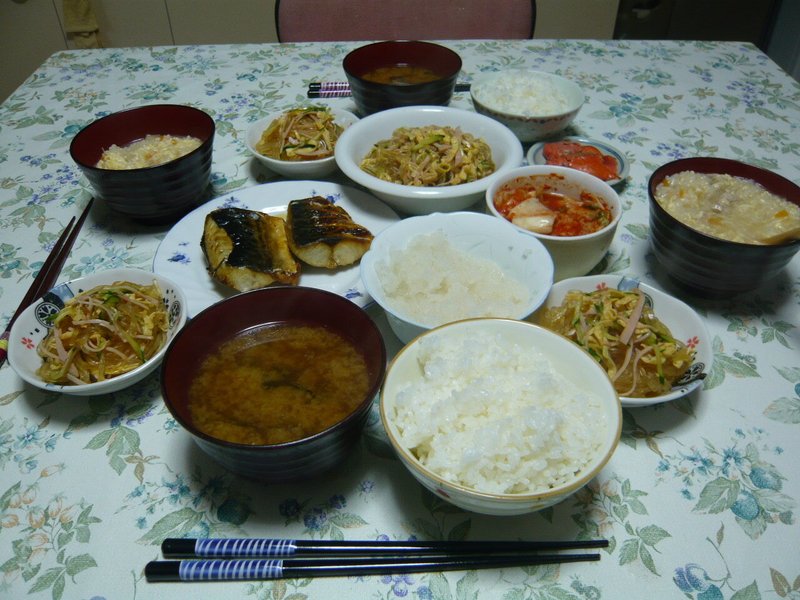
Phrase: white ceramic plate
{"type": "Point", "coordinates": [684, 323]}
{"type": "Point", "coordinates": [535, 155]}
{"type": "Point", "coordinates": [32, 326]}
{"type": "Point", "coordinates": [180, 258]}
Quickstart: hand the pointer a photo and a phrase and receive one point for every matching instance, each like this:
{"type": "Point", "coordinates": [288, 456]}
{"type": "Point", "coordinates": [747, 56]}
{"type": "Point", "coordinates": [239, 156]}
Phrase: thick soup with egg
{"type": "Point", "coordinates": [151, 151]}
{"type": "Point", "coordinates": [278, 384]}
{"type": "Point", "coordinates": [727, 207]}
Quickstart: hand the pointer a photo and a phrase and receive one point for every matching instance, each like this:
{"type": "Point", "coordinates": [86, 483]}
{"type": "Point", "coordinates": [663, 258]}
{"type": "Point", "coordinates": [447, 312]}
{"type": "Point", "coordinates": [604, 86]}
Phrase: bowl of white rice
{"type": "Point", "coordinates": [499, 416]}
{"type": "Point", "coordinates": [430, 270]}
{"type": "Point", "coordinates": [534, 104]}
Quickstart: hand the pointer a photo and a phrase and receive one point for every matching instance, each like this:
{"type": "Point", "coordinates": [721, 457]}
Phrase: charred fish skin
{"type": "Point", "coordinates": [323, 234]}
{"type": "Point", "coordinates": [246, 249]}
{"type": "Point", "coordinates": [318, 220]}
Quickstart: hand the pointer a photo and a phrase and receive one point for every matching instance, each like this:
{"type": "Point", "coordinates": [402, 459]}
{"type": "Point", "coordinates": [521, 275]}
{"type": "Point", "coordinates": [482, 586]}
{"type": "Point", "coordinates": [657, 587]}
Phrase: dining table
{"type": "Point", "coordinates": [699, 499]}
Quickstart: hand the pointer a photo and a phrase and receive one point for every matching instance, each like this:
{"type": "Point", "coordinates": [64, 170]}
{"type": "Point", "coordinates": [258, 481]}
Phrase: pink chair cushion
{"type": "Point", "coordinates": [344, 20]}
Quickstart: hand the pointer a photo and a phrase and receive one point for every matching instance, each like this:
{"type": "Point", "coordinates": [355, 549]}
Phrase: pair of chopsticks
{"type": "Point", "coordinates": [256, 559]}
{"type": "Point", "coordinates": [341, 89]}
{"type": "Point", "coordinates": [46, 277]}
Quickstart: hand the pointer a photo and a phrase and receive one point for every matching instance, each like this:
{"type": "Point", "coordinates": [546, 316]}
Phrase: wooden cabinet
{"type": "Point", "coordinates": [124, 23]}
{"type": "Point", "coordinates": [30, 31]}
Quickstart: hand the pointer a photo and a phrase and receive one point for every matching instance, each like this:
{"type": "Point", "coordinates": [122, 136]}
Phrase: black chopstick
{"type": "Point", "coordinates": [283, 548]}
{"type": "Point", "coordinates": [47, 275]}
{"type": "Point", "coordinates": [259, 569]}
{"type": "Point", "coordinates": [341, 89]}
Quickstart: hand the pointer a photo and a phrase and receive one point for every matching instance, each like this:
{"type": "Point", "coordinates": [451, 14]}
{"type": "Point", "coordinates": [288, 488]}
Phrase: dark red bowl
{"type": "Point", "coordinates": [205, 333]}
{"type": "Point", "coordinates": [708, 266]}
{"type": "Point", "coordinates": [371, 97]}
{"type": "Point", "coordinates": [160, 194]}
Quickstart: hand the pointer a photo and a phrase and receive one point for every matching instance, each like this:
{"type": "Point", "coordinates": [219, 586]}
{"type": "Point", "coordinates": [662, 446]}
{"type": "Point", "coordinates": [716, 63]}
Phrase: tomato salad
{"type": "Point", "coordinates": [533, 203]}
{"type": "Point", "coordinates": [583, 157]}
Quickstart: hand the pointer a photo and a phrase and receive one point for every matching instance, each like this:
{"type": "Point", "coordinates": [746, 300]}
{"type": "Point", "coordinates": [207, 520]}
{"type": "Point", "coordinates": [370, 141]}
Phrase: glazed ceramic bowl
{"type": "Point", "coordinates": [372, 96]}
{"type": "Point", "coordinates": [304, 169]}
{"type": "Point", "coordinates": [707, 266]}
{"type": "Point", "coordinates": [205, 334]}
{"type": "Point", "coordinates": [453, 413]}
{"type": "Point", "coordinates": [524, 101]}
{"type": "Point", "coordinates": [573, 256]}
{"type": "Point", "coordinates": [357, 141]}
{"type": "Point", "coordinates": [153, 195]}
{"type": "Point", "coordinates": [520, 257]}
{"type": "Point", "coordinates": [33, 324]}
{"type": "Point", "coordinates": [680, 318]}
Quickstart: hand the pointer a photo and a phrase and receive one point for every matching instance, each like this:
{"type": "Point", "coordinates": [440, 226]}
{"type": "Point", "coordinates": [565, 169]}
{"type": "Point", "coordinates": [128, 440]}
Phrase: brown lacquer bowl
{"type": "Point", "coordinates": [153, 195]}
{"type": "Point", "coordinates": [371, 96]}
{"type": "Point", "coordinates": [205, 334]}
{"type": "Point", "coordinates": [709, 266]}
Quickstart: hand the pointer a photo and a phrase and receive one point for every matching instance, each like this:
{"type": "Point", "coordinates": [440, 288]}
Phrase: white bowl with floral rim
{"type": "Point", "coordinates": [681, 319]}
{"type": "Point", "coordinates": [34, 323]}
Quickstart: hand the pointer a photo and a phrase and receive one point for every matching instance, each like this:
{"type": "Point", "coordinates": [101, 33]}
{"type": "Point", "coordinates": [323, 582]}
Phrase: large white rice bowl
{"type": "Point", "coordinates": [358, 139]}
{"type": "Point", "coordinates": [499, 416]}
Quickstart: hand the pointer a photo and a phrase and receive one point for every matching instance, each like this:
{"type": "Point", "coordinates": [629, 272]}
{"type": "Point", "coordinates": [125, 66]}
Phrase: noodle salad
{"type": "Point", "coordinates": [429, 156]}
{"type": "Point", "coordinates": [104, 332]}
{"type": "Point", "coordinates": [300, 134]}
{"type": "Point", "coordinates": [622, 333]}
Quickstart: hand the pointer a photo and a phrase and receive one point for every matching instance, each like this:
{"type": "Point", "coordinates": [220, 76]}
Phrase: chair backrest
{"type": "Point", "coordinates": [367, 20]}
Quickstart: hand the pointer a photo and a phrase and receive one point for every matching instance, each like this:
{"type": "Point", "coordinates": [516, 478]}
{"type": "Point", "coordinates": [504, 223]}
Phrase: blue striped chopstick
{"type": "Point", "coordinates": [283, 548]}
{"type": "Point", "coordinates": [262, 569]}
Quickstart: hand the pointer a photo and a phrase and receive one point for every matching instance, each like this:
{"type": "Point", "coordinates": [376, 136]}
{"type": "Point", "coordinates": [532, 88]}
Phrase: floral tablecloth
{"type": "Point", "coordinates": [699, 501]}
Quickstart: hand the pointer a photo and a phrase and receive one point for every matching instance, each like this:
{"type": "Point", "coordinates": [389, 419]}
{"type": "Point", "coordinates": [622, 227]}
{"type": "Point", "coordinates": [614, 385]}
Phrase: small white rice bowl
{"type": "Point", "coordinates": [429, 270]}
{"type": "Point", "coordinates": [533, 104]}
{"type": "Point", "coordinates": [499, 416]}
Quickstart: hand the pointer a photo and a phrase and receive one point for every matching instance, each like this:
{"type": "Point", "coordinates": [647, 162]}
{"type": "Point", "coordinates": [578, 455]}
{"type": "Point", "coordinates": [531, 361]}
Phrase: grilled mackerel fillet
{"type": "Point", "coordinates": [247, 249]}
{"type": "Point", "coordinates": [323, 234]}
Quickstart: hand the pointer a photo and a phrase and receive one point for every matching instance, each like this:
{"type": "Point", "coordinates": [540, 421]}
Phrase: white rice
{"type": "Point", "coordinates": [496, 417]}
{"type": "Point", "coordinates": [521, 94]}
{"type": "Point", "coordinates": [432, 282]}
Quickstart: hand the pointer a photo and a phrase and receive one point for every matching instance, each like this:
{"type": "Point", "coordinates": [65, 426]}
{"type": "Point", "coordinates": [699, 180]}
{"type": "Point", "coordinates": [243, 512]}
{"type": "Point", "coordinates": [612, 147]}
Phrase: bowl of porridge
{"type": "Point", "coordinates": [720, 227]}
{"type": "Point", "coordinates": [150, 163]}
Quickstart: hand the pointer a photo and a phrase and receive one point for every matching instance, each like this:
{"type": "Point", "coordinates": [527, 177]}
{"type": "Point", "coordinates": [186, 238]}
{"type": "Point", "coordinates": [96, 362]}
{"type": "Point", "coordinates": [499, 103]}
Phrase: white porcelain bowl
{"type": "Point", "coordinates": [528, 125]}
{"type": "Point", "coordinates": [521, 256]}
{"type": "Point", "coordinates": [32, 326]}
{"type": "Point", "coordinates": [356, 142]}
{"type": "Point", "coordinates": [575, 255]}
{"type": "Point", "coordinates": [682, 321]}
{"type": "Point", "coordinates": [306, 169]}
{"type": "Point", "coordinates": [566, 359]}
